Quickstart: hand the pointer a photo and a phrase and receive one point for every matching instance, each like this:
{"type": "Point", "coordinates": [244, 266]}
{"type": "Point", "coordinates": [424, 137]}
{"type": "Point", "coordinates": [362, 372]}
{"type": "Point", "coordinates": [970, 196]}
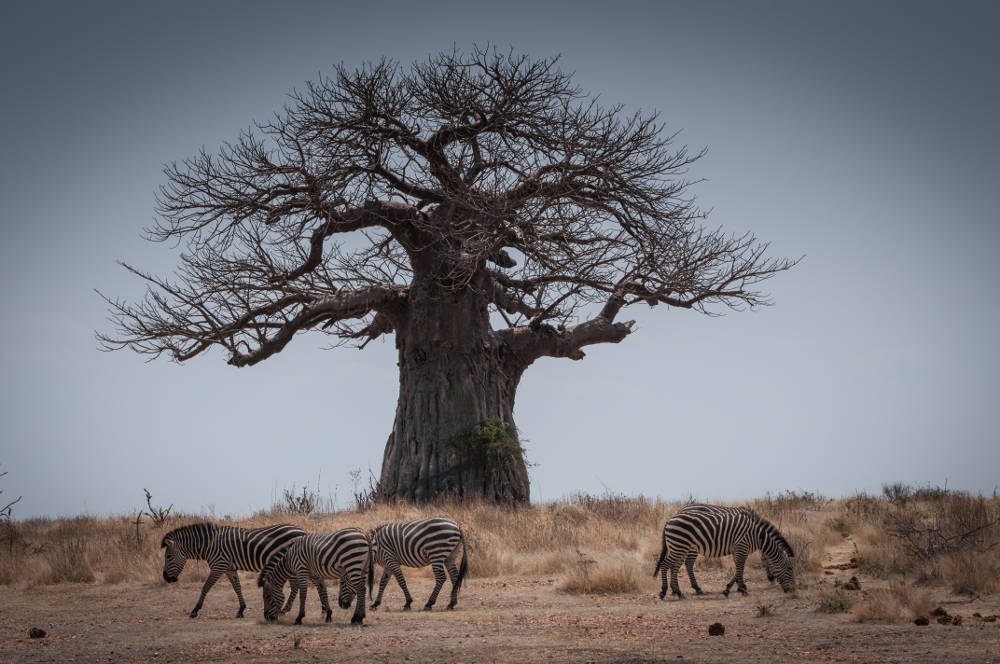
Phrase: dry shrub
{"type": "Point", "coordinates": [591, 577]}
{"type": "Point", "coordinates": [896, 603]}
{"type": "Point", "coordinates": [930, 533]}
{"type": "Point", "coordinates": [831, 599]}
{"type": "Point", "coordinates": [972, 572]}
{"type": "Point", "coordinates": [69, 562]}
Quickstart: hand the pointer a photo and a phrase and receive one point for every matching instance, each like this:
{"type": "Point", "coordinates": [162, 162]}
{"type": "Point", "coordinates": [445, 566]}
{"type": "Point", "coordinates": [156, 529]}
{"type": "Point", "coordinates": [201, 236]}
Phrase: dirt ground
{"type": "Point", "coordinates": [497, 620]}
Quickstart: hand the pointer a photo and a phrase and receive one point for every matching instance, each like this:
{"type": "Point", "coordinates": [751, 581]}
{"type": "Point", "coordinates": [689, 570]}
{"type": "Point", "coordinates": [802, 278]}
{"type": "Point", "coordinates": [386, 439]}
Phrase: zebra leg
{"type": "Point", "coordinates": [383, 582]}
{"type": "Point", "coordinates": [359, 603]}
{"type": "Point", "coordinates": [665, 576]}
{"type": "Point", "coordinates": [689, 564]}
{"type": "Point", "coordinates": [291, 597]}
{"type": "Point", "coordinates": [213, 576]}
{"type": "Point", "coordinates": [453, 575]}
{"type": "Point", "coordinates": [439, 578]}
{"type": "Point", "coordinates": [740, 558]}
{"type": "Point", "coordinates": [398, 573]}
{"type": "Point", "coordinates": [675, 588]}
{"type": "Point", "coordinates": [324, 598]}
{"type": "Point", "coordinates": [234, 579]}
{"type": "Point", "coordinates": [741, 561]}
{"type": "Point", "coordinates": [302, 581]}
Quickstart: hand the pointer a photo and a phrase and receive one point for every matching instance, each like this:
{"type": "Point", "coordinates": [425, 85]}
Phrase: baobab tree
{"type": "Point", "coordinates": [478, 206]}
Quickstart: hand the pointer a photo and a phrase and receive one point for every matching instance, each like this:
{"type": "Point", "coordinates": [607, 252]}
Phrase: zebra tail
{"type": "Point", "coordinates": [371, 574]}
{"type": "Point", "coordinates": [663, 554]}
{"type": "Point", "coordinates": [464, 567]}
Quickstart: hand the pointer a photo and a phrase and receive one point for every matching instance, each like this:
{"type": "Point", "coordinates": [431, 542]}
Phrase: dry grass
{"type": "Point", "coordinates": [896, 603]}
{"type": "Point", "coordinates": [591, 544]}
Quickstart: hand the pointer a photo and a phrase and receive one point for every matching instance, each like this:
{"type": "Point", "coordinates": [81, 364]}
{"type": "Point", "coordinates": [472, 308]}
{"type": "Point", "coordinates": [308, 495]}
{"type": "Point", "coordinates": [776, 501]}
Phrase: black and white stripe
{"type": "Point", "coordinates": [714, 530]}
{"type": "Point", "coordinates": [434, 541]}
{"type": "Point", "coordinates": [345, 555]}
{"type": "Point", "coordinates": [226, 549]}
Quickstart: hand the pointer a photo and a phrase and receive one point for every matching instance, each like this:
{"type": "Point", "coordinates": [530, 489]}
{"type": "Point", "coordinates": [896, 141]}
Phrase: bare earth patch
{"type": "Point", "coordinates": [507, 619]}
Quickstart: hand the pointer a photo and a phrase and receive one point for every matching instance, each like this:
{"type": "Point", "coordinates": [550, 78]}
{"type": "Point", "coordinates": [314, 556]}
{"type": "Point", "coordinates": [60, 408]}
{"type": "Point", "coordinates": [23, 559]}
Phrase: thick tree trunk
{"type": "Point", "coordinates": [454, 429]}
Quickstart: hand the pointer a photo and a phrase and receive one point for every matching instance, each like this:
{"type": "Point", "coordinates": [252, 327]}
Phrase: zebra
{"type": "Point", "coordinates": [713, 530]}
{"type": "Point", "coordinates": [226, 549]}
{"type": "Point", "coordinates": [345, 554]}
{"type": "Point", "coordinates": [432, 541]}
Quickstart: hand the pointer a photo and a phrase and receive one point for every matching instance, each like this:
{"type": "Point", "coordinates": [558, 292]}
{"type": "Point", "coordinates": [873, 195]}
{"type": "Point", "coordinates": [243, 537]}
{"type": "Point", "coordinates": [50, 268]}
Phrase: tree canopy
{"type": "Point", "coordinates": [494, 166]}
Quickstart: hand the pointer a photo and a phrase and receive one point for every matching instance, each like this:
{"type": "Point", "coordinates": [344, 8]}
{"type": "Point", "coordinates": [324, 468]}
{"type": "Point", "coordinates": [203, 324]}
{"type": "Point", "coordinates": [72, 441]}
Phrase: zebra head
{"type": "Point", "coordinates": [779, 567]}
{"type": "Point", "coordinates": [174, 558]}
{"type": "Point", "coordinates": [272, 579]}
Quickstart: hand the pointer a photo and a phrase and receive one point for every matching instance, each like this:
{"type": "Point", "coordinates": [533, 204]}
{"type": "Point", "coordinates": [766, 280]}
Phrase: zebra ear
{"type": "Point", "coordinates": [166, 542]}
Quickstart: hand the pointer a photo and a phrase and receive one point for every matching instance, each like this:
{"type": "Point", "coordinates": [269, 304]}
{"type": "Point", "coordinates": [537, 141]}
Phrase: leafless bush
{"type": "Point", "coordinates": [365, 498]}
{"type": "Point", "coordinates": [945, 525]}
{"type": "Point", "coordinates": [159, 515]}
{"type": "Point", "coordinates": [7, 514]}
{"type": "Point", "coordinates": [299, 503]}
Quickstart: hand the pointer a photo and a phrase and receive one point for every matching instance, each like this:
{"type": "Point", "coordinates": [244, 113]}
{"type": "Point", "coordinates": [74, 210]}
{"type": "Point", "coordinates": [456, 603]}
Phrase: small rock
{"type": "Point", "coordinates": [853, 584]}
{"type": "Point", "coordinates": [716, 629]}
{"type": "Point", "coordinates": [956, 620]}
{"type": "Point", "coordinates": [37, 633]}
{"type": "Point", "coordinates": [989, 618]}
{"type": "Point", "coordinates": [944, 620]}
{"type": "Point", "coordinates": [922, 621]}
{"type": "Point", "coordinates": [939, 612]}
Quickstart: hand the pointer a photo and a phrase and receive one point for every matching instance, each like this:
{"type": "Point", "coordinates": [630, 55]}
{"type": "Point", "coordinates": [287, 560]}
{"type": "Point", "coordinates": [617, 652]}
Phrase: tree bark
{"type": "Point", "coordinates": [455, 378]}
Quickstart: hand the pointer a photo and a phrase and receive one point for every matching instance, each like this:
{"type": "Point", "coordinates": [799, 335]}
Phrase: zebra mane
{"type": "Point", "coordinates": [190, 532]}
{"type": "Point", "coordinates": [271, 568]}
{"type": "Point", "coordinates": [772, 532]}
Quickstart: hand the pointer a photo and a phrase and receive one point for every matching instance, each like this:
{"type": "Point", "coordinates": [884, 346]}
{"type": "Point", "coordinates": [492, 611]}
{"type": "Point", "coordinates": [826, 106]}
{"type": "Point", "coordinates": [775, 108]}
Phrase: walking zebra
{"type": "Point", "coordinates": [713, 530]}
{"type": "Point", "coordinates": [226, 549]}
{"type": "Point", "coordinates": [433, 541]}
{"type": "Point", "coordinates": [345, 555]}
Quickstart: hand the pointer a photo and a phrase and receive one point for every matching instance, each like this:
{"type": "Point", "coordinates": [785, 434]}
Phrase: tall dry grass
{"type": "Point", "coordinates": [592, 544]}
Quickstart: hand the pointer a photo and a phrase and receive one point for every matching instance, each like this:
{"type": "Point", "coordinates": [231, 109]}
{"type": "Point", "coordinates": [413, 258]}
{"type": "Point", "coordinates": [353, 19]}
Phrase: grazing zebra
{"type": "Point", "coordinates": [433, 541]}
{"type": "Point", "coordinates": [226, 549]}
{"type": "Point", "coordinates": [345, 555]}
{"type": "Point", "coordinates": [713, 530]}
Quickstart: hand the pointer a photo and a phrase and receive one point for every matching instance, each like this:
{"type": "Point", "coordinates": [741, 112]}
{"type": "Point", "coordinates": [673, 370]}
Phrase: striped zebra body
{"type": "Point", "coordinates": [713, 530]}
{"type": "Point", "coordinates": [434, 541]}
{"type": "Point", "coordinates": [226, 549]}
{"type": "Point", "coordinates": [345, 555]}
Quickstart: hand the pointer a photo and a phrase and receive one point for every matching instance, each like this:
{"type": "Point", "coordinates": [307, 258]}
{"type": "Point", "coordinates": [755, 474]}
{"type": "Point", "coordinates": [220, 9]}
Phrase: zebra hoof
{"type": "Point", "coordinates": [329, 616]}
{"type": "Point", "coordinates": [357, 621]}
{"type": "Point", "coordinates": [725, 593]}
{"type": "Point", "coordinates": [406, 607]}
{"type": "Point", "coordinates": [373, 606]}
{"type": "Point", "coordinates": [428, 607]}
{"type": "Point", "coordinates": [193, 614]}
{"type": "Point", "coordinates": [698, 591]}
{"type": "Point", "coordinates": [239, 614]}
{"type": "Point", "coordinates": [450, 607]}
{"type": "Point", "coordinates": [663, 594]}
{"type": "Point", "coordinates": [298, 621]}
{"type": "Point", "coordinates": [743, 591]}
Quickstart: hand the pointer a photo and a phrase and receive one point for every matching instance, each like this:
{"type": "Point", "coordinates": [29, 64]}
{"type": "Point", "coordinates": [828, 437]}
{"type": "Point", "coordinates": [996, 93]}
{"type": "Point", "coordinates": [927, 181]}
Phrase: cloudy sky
{"type": "Point", "coordinates": [863, 136]}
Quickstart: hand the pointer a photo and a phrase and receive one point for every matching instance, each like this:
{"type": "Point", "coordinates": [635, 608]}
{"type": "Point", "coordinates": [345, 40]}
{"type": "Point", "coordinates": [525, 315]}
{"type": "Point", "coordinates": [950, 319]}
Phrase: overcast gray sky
{"type": "Point", "coordinates": [864, 136]}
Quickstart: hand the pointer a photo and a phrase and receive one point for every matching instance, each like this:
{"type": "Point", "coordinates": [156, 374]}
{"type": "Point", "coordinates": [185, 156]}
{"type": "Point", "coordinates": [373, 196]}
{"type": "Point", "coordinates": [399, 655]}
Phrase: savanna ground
{"type": "Point", "coordinates": [564, 582]}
